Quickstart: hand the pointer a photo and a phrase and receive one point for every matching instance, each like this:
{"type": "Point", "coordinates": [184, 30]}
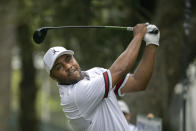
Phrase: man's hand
{"type": "Point", "coordinates": [139, 30]}
{"type": "Point", "coordinates": [125, 62]}
{"type": "Point", "coordinates": [150, 38]}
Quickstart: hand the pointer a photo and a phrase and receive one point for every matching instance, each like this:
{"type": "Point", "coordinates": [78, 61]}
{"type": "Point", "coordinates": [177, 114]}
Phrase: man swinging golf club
{"type": "Point", "coordinates": [88, 98]}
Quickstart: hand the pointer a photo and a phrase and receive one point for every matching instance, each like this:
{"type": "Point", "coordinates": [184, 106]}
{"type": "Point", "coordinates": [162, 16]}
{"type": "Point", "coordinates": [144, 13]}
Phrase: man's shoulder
{"type": "Point", "coordinates": [97, 69]}
{"type": "Point", "coordinates": [94, 72]}
{"type": "Point", "coordinates": [90, 77]}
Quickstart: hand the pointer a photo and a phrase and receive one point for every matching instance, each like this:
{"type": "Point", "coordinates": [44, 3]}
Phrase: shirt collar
{"type": "Point", "coordinates": [86, 75]}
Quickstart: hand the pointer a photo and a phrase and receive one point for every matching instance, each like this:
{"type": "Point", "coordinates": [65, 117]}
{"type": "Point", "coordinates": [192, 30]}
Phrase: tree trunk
{"type": "Point", "coordinates": [7, 40]}
{"type": "Point", "coordinates": [28, 117]}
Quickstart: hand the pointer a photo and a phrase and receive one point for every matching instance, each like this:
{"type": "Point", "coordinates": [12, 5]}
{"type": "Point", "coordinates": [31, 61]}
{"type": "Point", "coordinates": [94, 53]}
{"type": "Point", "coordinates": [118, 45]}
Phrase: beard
{"type": "Point", "coordinates": [70, 79]}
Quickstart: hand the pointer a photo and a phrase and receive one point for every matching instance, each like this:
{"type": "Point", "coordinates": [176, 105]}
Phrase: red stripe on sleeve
{"type": "Point", "coordinates": [106, 84]}
{"type": "Point", "coordinates": [118, 86]}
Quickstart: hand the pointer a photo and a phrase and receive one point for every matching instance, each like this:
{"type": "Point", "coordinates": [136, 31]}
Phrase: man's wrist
{"type": "Point", "coordinates": [152, 43]}
{"type": "Point", "coordinates": [153, 46]}
{"type": "Point", "coordinates": [139, 36]}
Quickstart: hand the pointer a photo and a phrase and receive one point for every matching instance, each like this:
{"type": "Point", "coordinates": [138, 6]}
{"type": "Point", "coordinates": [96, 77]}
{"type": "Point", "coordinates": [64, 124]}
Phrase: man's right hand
{"type": "Point", "coordinates": [140, 30]}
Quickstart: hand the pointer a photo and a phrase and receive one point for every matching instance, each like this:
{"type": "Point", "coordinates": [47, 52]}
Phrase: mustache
{"type": "Point", "coordinates": [72, 81]}
{"type": "Point", "coordinates": [71, 70]}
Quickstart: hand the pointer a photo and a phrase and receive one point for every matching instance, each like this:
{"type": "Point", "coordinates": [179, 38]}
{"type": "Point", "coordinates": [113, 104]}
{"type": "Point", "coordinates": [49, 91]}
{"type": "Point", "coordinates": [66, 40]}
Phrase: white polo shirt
{"type": "Point", "coordinates": [91, 104]}
{"type": "Point", "coordinates": [132, 127]}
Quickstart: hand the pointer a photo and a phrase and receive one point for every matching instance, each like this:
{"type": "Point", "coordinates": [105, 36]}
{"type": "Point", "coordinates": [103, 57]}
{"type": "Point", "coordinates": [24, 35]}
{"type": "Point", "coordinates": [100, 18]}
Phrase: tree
{"type": "Point", "coordinates": [28, 115]}
{"type": "Point", "coordinates": [7, 36]}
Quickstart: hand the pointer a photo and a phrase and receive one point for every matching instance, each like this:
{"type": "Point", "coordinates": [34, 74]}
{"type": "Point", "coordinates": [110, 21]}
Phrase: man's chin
{"type": "Point", "coordinates": [79, 77]}
{"type": "Point", "coordinates": [71, 82]}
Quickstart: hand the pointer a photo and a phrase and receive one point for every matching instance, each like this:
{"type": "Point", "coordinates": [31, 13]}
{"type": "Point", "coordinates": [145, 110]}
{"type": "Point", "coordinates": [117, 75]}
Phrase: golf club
{"type": "Point", "coordinates": [40, 34]}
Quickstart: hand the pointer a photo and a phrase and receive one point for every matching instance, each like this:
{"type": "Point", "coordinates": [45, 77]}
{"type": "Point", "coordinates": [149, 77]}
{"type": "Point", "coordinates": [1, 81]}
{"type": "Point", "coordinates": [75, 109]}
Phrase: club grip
{"type": "Point", "coordinates": [130, 28]}
{"type": "Point", "coordinates": [155, 31]}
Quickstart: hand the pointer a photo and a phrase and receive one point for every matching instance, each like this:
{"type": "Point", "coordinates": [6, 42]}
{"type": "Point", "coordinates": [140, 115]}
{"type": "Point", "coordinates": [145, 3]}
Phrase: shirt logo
{"type": "Point", "coordinates": [54, 51]}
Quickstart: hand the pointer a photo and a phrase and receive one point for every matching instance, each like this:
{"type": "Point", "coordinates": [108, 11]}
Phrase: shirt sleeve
{"type": "Point", "coordinates": [120, 84]}
{"type": "Point", "coordinates": [89, 93]}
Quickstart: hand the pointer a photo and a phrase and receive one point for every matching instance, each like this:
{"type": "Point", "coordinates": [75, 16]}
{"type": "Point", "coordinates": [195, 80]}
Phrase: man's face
{"type": "Point", "coordinates": [127, 116]}
{"type": "Point", "coordinates": [66, 70]}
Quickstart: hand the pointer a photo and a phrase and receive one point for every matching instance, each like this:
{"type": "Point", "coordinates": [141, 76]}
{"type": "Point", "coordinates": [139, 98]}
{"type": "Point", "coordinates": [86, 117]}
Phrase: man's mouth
{"type": "Point", "coordinates": [73, 70]}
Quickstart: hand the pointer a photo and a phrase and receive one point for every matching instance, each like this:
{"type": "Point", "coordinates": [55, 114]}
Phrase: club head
{"type": "Point", "coordinates": [39, 35]}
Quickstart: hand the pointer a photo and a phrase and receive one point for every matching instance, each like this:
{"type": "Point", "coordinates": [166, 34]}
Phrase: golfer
{"type": "Point", "coordinates": [88, 98]}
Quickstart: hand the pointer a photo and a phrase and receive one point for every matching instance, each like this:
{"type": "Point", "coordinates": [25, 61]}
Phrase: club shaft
{"type": "Point", "coordinates": [106, 27]}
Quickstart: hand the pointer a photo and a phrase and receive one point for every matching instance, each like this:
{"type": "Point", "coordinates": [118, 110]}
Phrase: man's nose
{"type": "Point", "coordinates": [67, 65]}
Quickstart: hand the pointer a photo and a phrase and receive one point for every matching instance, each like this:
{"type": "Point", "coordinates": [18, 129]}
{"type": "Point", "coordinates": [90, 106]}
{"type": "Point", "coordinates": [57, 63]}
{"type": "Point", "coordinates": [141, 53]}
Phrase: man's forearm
{"type": "Point", "coordinates": [126, 60]}
{"type": "Point", "coordinates": [128, 57]}
{"type": "Point", "coordinates": [144, 70]}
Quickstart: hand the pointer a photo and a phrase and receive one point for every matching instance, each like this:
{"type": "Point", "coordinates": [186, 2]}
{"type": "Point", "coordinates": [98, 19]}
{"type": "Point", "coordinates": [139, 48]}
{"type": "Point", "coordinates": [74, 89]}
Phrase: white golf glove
{"type": "Point", "coordinates": [152, 38]}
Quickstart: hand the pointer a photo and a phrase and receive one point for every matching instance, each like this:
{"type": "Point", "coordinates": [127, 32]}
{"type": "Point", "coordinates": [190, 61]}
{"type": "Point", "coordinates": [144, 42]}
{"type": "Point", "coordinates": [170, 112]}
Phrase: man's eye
{"type": "Point", "coordinates": [58, 67]}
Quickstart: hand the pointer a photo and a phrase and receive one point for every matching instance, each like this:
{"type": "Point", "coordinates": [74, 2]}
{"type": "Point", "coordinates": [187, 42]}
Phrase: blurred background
{"type": "Point", "coordinates": [29, 99]}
